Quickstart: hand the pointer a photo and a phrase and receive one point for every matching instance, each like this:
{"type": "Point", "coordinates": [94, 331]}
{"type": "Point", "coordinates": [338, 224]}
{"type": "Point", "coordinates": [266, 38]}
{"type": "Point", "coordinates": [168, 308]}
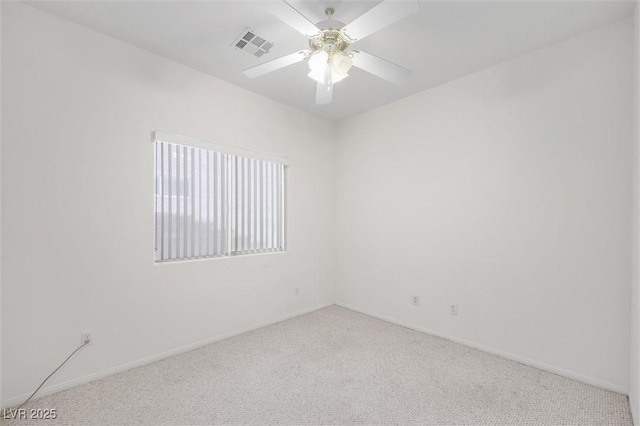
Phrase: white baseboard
{"type": "Point", "coordinates": [526, 361]}
{"type": "Point", "coordinates": [153, 358]}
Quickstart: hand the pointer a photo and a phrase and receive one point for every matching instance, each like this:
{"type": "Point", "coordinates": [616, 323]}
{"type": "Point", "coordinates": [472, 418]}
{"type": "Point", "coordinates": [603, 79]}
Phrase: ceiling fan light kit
{"type": "Point", "coordinates": [329, 61]}
{"type": "Point", "coordinates": [329, 67]}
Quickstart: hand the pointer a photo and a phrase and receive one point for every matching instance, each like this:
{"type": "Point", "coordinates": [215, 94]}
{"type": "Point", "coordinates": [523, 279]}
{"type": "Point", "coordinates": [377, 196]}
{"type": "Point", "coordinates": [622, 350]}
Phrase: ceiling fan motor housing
{"type": "Point", "coordinates": [329, 40]}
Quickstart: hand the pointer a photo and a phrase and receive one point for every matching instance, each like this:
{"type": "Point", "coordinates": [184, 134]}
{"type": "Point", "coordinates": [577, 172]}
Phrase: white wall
{"type": "Point", "coordinates": [506, 192]}
{"type": "Point", "coordinates": [634, 341]}
{"type": "Point", "coordinates": [79, 109]}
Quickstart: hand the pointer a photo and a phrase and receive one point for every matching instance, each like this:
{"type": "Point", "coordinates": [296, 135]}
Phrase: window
{"type": "Point", "coordinates": [212, 204]}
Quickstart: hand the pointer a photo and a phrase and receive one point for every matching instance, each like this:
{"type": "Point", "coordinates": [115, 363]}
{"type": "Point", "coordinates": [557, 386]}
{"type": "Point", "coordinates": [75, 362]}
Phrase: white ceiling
{"type": "Point", "coordinates": [443, 41]}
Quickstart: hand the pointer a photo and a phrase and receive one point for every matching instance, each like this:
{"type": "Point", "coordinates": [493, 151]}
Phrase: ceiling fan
{"type": "Point", "coordinates": [330, 56]}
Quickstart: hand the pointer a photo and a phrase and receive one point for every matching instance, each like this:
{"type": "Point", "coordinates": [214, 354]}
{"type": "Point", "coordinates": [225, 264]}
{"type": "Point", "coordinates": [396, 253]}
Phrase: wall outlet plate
{"type": "Point", "coordinates": [453, 309]}
{"type": "Point", "coordinates": [86, 336]}
{"type": "Point", "coordinates": [415, 300]}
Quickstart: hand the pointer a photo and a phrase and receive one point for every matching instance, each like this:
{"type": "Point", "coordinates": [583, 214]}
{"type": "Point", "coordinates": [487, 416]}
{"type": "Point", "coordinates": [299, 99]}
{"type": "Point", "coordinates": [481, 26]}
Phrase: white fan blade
{"type": "Point", "coordinates": [379, 67]}
{"type": "Point", "coordinates": [324, 93]}
{"type": "Point", "coordinates": [276, 64]}
{"type": "Point", "coordinates": [378, 17]}
{"type": "Point", "coordinates": [286, 13]}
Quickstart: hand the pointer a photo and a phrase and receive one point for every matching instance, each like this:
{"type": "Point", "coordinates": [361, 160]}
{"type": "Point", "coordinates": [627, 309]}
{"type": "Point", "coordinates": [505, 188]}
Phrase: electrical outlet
{"type": "Point", "coordinates": [453, 309]}
{"type": "Point", "coordinates": [86, 337]}
{"type": "Point", "coordinates": [416, 301]}
{"type": "Point", "coordinates": [297, 291]}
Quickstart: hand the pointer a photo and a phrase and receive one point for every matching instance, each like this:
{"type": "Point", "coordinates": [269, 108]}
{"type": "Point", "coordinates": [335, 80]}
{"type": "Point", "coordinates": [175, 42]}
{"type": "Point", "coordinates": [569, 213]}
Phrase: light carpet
{"type": "Point", "coordinates": [336, 367]}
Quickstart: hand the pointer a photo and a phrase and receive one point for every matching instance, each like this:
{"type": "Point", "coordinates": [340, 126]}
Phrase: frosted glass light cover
{"type": "Point", "coordinates": [339, 63]}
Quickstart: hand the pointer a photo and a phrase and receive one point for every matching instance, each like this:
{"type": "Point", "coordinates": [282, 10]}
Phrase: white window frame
{"type": "Point", "coordinates": [231, 249]}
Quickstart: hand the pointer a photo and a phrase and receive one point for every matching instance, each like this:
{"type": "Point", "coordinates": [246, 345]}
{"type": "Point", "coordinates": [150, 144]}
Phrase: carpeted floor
{"type": "Point", "coordinates": [336, 367]}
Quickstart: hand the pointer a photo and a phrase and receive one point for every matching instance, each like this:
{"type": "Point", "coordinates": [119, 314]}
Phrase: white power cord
{"type": "Point", "coordinates": [85, 343]}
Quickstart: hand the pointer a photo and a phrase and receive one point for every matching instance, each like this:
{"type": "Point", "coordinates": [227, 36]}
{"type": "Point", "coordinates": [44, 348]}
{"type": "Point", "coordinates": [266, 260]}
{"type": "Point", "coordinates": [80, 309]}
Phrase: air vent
{"type": "Point", "coordinates": [249, 42]}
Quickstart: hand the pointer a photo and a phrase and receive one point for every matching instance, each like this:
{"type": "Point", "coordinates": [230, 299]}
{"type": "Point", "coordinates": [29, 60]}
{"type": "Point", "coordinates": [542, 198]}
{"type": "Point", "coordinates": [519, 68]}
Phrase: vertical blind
{"type": "Point", "coordinates": [212, 204]}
